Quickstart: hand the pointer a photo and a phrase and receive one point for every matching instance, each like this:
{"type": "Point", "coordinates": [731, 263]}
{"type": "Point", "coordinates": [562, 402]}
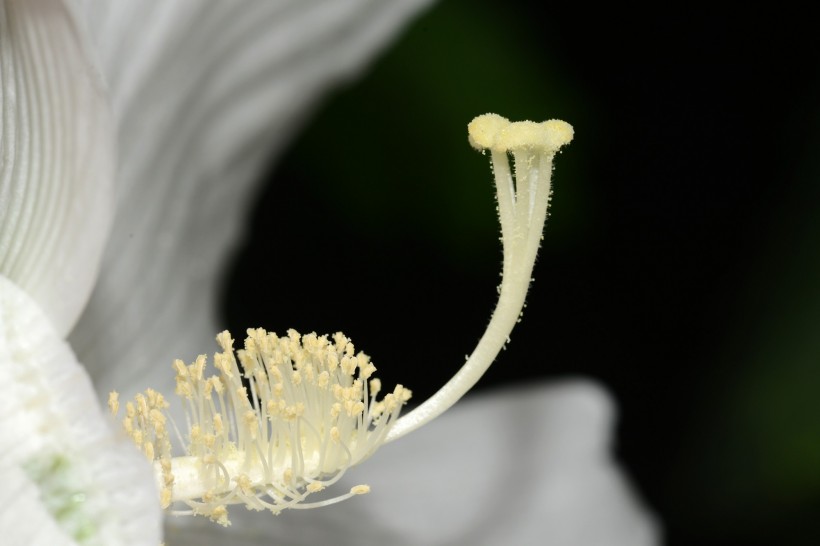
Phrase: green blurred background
{"type": "Point", "coordinates": [681, 263]}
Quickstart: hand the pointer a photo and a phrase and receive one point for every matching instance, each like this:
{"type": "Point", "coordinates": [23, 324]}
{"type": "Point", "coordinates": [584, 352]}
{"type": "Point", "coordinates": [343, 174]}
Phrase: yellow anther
{"type": "Point", "coordinates": [180, 368]}
{"type": "Point", "coordinates": [196, 435]}
{"type": "Point", "coordinates": [148, 449]}
{"type": "Point", "coordinates": [165, 497]}
{"type": "Point", "coordinates": [332, 362]}
{"type": "Point", "coordinates": [367, 371]}
{"type": "Point", "coordinates": [197, 368]}
{"type": "Point", "coordinates": [225, 341]}
{"type": "Point", "coordinates": [219, 387]}
{"type": "Point", "coordinates": [157, 419]}
{"type": "Point", "coordinates": [251, 422]}
{"type": "Point", "coordinates": [314, 487]}
{"type": "Point", "coordinates": [114, 402]}
{"type": "Point", "coordinates": [349, 365]}
{"type": "Point", "coordinates": [184, 389]}
{"type": "Point", "coordinates": [220, 515]}
{"type": "Point", "coordinates": [242, 394]}
{"type": "Point", "coordinates": [244, 483]}
{"type": "Point", "coordinates": [142, 405]}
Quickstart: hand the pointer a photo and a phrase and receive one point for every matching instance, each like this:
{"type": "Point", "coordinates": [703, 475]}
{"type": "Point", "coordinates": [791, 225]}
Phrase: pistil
{"type": "Point", "coordinates": [522, 210]}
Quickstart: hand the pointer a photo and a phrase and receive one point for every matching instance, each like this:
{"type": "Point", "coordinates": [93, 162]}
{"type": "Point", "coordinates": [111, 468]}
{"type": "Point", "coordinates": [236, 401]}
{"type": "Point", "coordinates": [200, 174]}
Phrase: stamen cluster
{"type": "Point", "coordinates": [283, 422]}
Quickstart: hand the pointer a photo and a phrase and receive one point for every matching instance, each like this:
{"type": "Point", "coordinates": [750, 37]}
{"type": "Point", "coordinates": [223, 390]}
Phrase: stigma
{"type": "Point", "coordinates": [282, 419]}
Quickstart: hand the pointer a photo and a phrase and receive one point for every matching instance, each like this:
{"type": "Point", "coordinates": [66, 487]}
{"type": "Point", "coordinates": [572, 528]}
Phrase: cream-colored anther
{"type": "Point", "coordinates": [114, 402]}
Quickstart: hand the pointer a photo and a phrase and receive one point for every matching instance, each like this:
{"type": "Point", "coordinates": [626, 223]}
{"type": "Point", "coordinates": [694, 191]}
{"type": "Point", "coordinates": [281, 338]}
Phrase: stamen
{"type": "Point", "coordinates": [302, 417]}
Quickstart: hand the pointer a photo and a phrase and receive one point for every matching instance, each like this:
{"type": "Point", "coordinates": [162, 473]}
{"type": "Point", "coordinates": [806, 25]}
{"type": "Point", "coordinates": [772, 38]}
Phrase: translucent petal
{"type": "Point", "coordinates": [206, 92]}
{"type": "Point", "coordinates": [56, 168]}
{"type": "Point", "coordinates": [524, 466]}
{"type": "Point", "coordinates": [58, 454]}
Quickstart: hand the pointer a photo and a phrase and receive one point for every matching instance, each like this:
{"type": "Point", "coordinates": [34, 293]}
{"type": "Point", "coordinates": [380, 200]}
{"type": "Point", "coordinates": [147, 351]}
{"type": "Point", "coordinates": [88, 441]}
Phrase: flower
{"type": "Point", "coordinates": [173, 72]}
{"type": "Point", "coordinates": [309, 410]}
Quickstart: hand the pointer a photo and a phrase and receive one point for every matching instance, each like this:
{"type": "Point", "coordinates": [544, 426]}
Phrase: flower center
{"type": "Point", "coordinates": [296, 412]}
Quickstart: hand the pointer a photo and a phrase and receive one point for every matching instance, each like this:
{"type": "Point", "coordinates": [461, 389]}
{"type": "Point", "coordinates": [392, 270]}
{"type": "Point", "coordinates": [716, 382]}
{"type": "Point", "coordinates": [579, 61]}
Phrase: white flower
{"type": "Point", "coordinates": [201, 92]}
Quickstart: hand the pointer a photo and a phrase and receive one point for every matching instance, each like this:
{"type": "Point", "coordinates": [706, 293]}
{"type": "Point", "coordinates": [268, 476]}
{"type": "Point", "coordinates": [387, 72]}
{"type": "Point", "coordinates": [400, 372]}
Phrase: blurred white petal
{"type": "Point", "coordinates": [206, 93]}
{"type": "Point", "coordinates": [519, 467]}
{"type": "Point", "coordinates": [56, 158]}
{"type": "Point", "coordinates": [64, 472]}
{"type": "Point", "coordinates": [66, 476]}
{"type": "Point", "coordinates": [39, 527]}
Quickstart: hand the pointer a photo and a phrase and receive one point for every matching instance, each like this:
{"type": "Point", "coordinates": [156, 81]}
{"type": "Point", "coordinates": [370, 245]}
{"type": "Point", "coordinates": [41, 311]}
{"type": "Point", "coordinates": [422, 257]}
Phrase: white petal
{"type": "Point", "coordinates": [525, 466]}
{"type": "Point", "coordinates": [55, 158]}
{"type": "Point", "coordinates": [64, 472]}
{"type": "Point", "coordinates": [40, 527]}
{"type": "Point", "coordinates": [206, 93]}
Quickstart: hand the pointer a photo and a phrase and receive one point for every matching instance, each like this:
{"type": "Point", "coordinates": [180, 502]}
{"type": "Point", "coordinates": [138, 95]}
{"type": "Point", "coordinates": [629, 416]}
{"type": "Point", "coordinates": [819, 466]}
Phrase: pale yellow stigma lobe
{"type": "Point", "coordinates": [496, 133]}
{"type": "Point", "coordinates": [282, 422]}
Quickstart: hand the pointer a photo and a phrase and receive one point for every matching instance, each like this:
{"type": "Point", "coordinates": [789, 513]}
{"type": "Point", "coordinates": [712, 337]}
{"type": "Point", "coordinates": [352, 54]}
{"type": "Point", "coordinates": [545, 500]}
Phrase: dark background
{"type": "Point", "coordinates": [681, 261]}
